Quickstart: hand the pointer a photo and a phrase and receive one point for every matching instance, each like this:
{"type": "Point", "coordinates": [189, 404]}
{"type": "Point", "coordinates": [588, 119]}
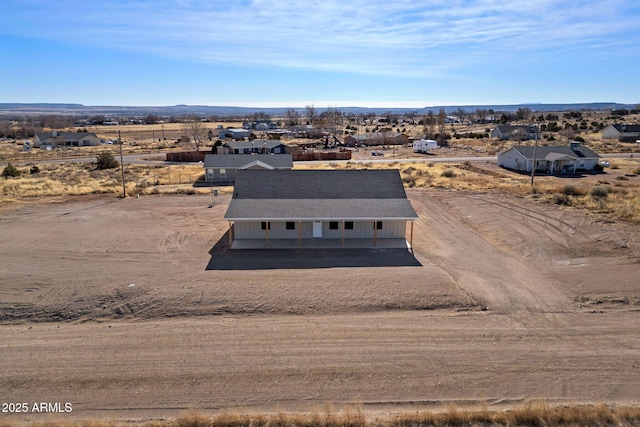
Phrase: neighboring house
{"type": "Point", "coordinates": [234, 133]}
{"type": "Point", "coordinates": [628, 133]}
{"type": "Point", "coordinates": [220, 168]}
{"type": "Point", "coordinates": [260, 125]}
{"type": "Point", "coordinates": [319, 208]}
{"type": "Point", "coordinates": [66, 139]}
{"type": "Point", "coordinates": [550, 159]}
{"type": "Point", "coordinates": [376, 138]}
{"type": "Point", "coordinates": [514, 133]}
{"type": "Point", "coordinates": [257, 146]}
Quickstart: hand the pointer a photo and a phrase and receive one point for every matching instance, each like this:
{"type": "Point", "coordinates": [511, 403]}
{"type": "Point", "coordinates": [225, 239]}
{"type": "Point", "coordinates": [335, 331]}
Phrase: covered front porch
{"type": "Point", "coordinates": [320, 243]}
{"type": "Point", "coordinates": [318, 234]}
{"type": "Point", "coordinates": [556, 163]}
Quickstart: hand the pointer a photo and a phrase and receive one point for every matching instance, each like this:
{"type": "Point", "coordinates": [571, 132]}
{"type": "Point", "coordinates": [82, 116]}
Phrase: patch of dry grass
{"type": "Point", "coordinates": [74, 179]}
{"type": "Point", "coordinates": [530, 414]}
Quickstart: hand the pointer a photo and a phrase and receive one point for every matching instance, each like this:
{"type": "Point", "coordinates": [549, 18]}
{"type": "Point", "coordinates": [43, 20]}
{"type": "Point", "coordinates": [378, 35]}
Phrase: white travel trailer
{"type": "Point", "coordinates": [424, 145]}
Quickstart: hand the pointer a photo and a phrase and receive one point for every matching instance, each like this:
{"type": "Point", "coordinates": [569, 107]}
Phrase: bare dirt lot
{"type": "Point", "coordinates": [136, 309]}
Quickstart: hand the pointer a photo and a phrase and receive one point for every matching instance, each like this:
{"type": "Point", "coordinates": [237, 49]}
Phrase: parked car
{"type": "Point", "coordinates": [605, 163]}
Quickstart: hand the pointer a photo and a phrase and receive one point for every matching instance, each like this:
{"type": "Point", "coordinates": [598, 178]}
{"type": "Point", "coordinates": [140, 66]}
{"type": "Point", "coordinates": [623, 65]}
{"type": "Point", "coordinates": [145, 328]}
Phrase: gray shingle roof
{"type": "Point", "coordinates": [256, 143]}
{"type": "Point", "coordinates": [565, 150]}
{"type": "Point", "coordinates": [319, 194]}
{"type": "Point", "coordinates": [510, 128]}
{"type": "Point", "coordinates": [627, 128]}
{"type": "Point", "coordinates": [65, 136]}
{"type": "Point", "coordinates": [233, 161]}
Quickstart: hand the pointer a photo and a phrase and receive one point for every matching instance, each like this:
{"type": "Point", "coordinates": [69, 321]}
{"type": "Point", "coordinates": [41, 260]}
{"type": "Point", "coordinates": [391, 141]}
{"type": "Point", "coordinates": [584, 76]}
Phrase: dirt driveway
{"type": "Point", "coordinates": [117, 307]}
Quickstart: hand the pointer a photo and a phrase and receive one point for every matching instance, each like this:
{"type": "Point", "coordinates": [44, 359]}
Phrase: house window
{"type": "Point", "coordinates": [348, 225]}
{"type": "Point", "coordinates": [210, 173]}
{"type": "Point", "coordinates": [290, 225]}
{"type": "Point", "coordinates": [377, 225]}
{"type": "Point", "coordinates": [333, 225]}
{"type": "Point", "coordinates": [223, 173]}
{"type": "Point", "coordinates": [263, 225]}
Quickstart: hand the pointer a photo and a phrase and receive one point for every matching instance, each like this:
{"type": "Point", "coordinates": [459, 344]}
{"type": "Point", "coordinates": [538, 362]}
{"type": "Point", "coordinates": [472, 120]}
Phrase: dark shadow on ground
{"type": "Point", "coordinates": [223, 258]}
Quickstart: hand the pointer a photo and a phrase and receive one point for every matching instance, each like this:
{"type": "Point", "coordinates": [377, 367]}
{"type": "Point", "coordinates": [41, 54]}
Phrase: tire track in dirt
{"type": "Point", "coordinates": [491, 273]}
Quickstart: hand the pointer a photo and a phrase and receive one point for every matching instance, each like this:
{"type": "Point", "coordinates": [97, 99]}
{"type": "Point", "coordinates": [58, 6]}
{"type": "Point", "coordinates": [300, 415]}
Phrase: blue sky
{"type": "Point", "coordinates": [402, 53]}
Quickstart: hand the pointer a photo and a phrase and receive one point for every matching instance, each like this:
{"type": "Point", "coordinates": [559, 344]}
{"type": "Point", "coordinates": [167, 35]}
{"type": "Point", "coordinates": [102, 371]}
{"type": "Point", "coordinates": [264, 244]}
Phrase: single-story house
{"type": "Point", "coordinates": [319, 208]}
{"type": "Point", "coordinates": [223, 168]}
{"type": "Point", "coordinates": [550, 159]}
{"type": "Point", "coordinates": [260, 125]}
{"type": "Point", "coordinates": [257, 146]}
{"type": "Point", "coordinates": [514, 132]}
{"type": "Point", "coordinates": [234, 133]}
{"type": "Point", "coordinates": [66, 139]}
{"type": "Point", "coordinates": [376, 138]}
{"type": "Point", "coordinates": [628, 133]}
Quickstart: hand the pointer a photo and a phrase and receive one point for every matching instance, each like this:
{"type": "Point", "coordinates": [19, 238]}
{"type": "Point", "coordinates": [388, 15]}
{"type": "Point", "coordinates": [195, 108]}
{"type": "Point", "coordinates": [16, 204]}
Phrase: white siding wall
{"type": "Point", "coordinates": [610, 132]}
{"type": "Point", "coordinates": [513, 160]}
{"type": "Point", "coordinates": [361, 230]}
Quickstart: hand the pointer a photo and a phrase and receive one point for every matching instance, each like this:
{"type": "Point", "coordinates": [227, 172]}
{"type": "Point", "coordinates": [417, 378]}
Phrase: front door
{"type": "Point", "coordinates": [317, 228]}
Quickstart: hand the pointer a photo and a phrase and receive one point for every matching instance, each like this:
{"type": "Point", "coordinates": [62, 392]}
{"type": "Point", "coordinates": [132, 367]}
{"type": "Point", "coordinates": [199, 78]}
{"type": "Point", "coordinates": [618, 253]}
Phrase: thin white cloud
{"type": "Point", "coordinates": [401, 38]}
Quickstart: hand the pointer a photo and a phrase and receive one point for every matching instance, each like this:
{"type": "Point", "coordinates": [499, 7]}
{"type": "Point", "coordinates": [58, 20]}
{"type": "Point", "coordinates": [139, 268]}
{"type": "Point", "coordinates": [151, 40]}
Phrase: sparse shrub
{"type": "Point", "coordinates": [448, 173]}
{"type": "Point", "coordinates": [34, 170]}
{"type": "Point", "coordinates": [614, 166]}
{"type": "Point", "coordinates": [409, 170]}
{"type": "Point", "coordinates": [10, 171]}
{"type": "Point", "coordinates": [561, 199]}
{"type": "Point", "coordinates": [409, 180]}
{"type": "Point", "coordinates": [598, 168]}
{"type": "Point", "coordinates": [105, 160]}
{"type": "Point", "coordinates": [571, 190]}
{"type": "Point", "coordinates": [598, 193]}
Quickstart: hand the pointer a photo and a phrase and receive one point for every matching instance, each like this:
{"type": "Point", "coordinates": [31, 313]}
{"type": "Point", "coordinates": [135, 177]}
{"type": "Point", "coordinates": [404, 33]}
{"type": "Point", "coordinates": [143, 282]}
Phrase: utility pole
{"type": "Point", "coordinates": [124, 188]}
{"type": "Point", "coordinates": [533, 165]}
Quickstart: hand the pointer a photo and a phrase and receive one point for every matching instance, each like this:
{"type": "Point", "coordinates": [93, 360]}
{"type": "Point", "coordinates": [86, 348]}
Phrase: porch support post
{"type": "Point", "coordinates": [411, 236]}
{"type": "Point", "coordinates": [230, 233]}
{"type": "Point", "coordinates": [299, 234]}
{"type": "Point", "coordinates": [375, 233]}
{"type": "Point", "coordinates": [267, 234]}
{"type": "Point", "coordinates": [343, 234]}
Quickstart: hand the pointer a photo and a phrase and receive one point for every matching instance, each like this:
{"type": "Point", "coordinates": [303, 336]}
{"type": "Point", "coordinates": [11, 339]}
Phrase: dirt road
{"type": "Point", "coordinates": [136, 309]}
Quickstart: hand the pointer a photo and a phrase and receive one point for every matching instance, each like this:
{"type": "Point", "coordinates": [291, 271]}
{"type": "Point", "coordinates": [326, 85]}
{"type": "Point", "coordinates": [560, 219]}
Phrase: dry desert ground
{"type": "Point", "coordinates": [135, 309]}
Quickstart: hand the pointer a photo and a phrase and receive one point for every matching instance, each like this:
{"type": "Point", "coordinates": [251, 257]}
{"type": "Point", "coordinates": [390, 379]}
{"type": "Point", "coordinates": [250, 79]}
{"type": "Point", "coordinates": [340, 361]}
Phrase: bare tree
{"type": "Point", "coordinates": [310, 113]}
{"type": "Point", "coordinates": [292, 116]}
{"type": "Point", "coordinates": [482, 114]}
{"type": "Point", "coordinates": [411, 116]}
{"type": "Point", "coordinates": [442, 116]}
{"type": "Point", "coordinates": [429, 125]}
{"type": "Point", "coordinates": [462, 114]}
{"type": "Point", "coordinates": [523, 114]}
{"type": "Point", "coordinates": [194, 131]}
{"type": "Point", "coordinates": [568, 133]}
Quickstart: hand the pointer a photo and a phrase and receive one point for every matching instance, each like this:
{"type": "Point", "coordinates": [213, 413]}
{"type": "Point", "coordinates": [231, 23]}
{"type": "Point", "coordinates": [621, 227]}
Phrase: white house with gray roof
{"type": "Point", "coordinates": [257, 146]}
{"type": "Point", "coordinates": [319, 208]}
{"type": "Point", "coordinates": [622, 132]}
{"type": "Point", "coordinates": [550, 159]}
{"type": "Point", "coordinates": [223, 168]}
{"type": "Point", "coordinates": [514, 132]}
{"type": "Point", "coordinates": [68, 139]}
